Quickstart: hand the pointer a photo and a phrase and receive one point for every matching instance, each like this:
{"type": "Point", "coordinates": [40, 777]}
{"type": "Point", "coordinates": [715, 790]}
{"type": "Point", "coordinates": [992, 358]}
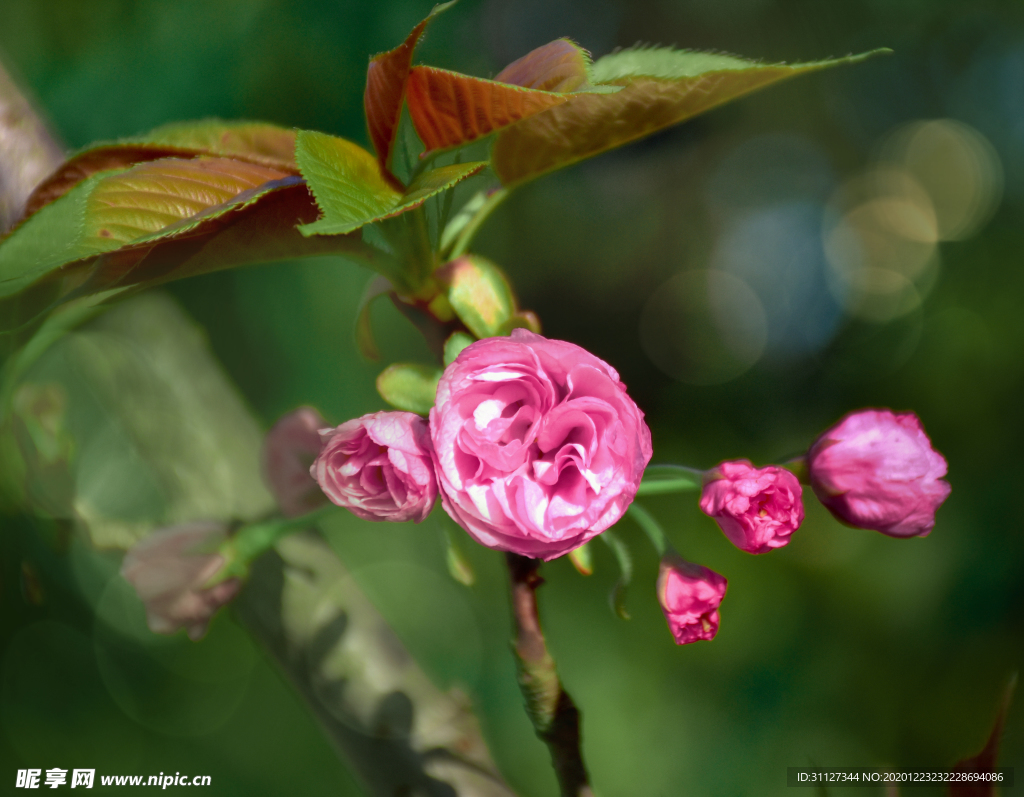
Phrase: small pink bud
{"type": "Point", "coordinates": [379, 467]}
{"type": "Point", "coordinates": [169, 570]}
{"type": "Point", "coordinates": [756, 508]}
{"type": "Point", "coordinates": [876, 469]}
{"type": "Point", "coordinates": [289, 449]}
{"type": "Point", "coordinates": [689, 595]}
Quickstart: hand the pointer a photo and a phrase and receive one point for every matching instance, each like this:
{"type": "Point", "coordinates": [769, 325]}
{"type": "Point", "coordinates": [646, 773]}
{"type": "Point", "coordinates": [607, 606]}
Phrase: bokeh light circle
{"type": "Point", "coordinates": [704, 327]}
{"type": "Point", "coordinates": [958, 168]}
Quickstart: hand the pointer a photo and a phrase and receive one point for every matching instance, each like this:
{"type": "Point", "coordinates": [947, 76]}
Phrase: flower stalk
{"type": "Point", "coordinates": [555, 717]}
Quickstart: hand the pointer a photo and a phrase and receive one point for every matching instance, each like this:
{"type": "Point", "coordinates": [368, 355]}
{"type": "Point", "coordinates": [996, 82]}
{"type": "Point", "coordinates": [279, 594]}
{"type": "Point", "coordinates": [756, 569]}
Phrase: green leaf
{"type": "Point", "coordinates": [160, 436]}
{"type": "Point", "coordinates": [109, 210]}
{"type": "Point", "coordinates": [253, 142]}
{"type": "Point", "coordinates": [155, 222]}
{"type": "Point", "coordinates": [660, 87]}
{"type": "Point", "coordinates": [662, 62]}
{"type": "Point", "coordinates": [352, 190]}
{"type": "Point", "coordinates": [409, 386]}
{"type": "Point", "coordinates": [453, 347]}
{"type": "Point", "coordinates": [479, 294]}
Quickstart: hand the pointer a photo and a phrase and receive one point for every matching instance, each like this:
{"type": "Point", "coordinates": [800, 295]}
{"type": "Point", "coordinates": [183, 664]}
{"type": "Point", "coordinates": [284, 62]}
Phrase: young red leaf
{"type": "Point", "coordinates": [560, 66]}
{"type": "Point", "coordinates": [252, 142]}
{"type": "Point", "coordinates": [449, 109]}
{"type": "Point", "coordinates": [385, 89]}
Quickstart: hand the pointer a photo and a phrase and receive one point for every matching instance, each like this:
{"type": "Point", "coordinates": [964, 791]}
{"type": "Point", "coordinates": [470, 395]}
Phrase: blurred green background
{"type": "Point", "coordinates": [747, 278]}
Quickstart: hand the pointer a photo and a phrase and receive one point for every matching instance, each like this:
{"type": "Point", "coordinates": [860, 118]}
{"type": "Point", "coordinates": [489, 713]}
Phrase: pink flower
{"type": "Point", "coordinates": [289, 449]}
{"type": "Point", "coordinates": [538, 447]}
{"type": "Point", "coordinates": [757, 508]}
{"type": "Point", "coordinates": [689, 596]}
{"type": "Point", "coordinates": [877, 470]}
{"type": "Point", "coordinates": [379, 467]}
{"type": "Point", "coordinates": [169, 570]}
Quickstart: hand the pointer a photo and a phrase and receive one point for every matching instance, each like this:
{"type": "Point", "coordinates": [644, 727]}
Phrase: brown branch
{"type": "Point", "coordinates": [555, 717]}
{"type": "Point", "coordinates": [398, 732]}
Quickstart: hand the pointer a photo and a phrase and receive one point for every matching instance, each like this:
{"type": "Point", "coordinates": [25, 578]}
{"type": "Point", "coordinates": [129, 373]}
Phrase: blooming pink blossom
{"type": "Point", "coordinates": [757, 508]}
{"type": "Point", "coordinates": [289, 449]}
{"type": "Point", "coordinates": [689, 595]}
{"type": "Point", "coordinates": [379, 467]}
{"type": "Point", "coordinates": [538, 447]}
{"type": "Point", "coordinates": [877, 469]}
{"type": "Point", "coordinates": [169, 570]}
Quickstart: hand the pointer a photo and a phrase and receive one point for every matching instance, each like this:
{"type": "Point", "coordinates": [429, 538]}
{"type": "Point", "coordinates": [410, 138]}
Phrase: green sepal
{"type": "Point", "coordinates": [453, 347]}
{"type": "Point", "coordinates": [409, 386]}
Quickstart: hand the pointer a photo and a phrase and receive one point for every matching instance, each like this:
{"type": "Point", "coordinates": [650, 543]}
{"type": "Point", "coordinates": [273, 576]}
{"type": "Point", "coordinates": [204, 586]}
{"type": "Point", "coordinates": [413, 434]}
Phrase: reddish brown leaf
{"type": "Point", "coordinates": [560, 66]}
{"type": "Point", "coordinates": [151, 197]}
{"type": "Point", "coordinates": [385, 89]}
{"type": "Point", "coordinates": [252, 142]}
{"type": "Point", "coordinates": [449, 109]}
{"type": "Point", "coordinates": [259, 233]}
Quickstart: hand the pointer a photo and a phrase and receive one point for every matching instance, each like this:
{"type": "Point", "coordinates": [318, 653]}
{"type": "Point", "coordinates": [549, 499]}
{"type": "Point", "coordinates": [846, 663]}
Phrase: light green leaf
{"type": "Point", "coordinates": [661, 87]}
{"type": "Point", "coordinates": [582, 559]}
{"type": "Point", "coordinates": [662, 62]}
{"type": "Point", "coordinates": [160, 221]}
{"type": "Point", "coordinates": [409, 386]}
{"type": "Point", "coordinates": [453, 347]}
{"type": "Point", "coordinates": [352, 189]}
{"type": "Point", "coordinates": [479, 294]}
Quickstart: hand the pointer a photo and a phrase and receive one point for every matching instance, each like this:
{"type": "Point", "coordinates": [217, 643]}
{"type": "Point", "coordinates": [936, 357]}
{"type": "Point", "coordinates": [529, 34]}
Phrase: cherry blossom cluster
{"type": "Point", "coordinates": [534, 447]}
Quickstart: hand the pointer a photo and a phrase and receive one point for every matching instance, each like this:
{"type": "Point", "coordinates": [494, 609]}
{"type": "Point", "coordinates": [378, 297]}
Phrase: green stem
{"type": "Point", "coordinates": [470, 230]}
{"type": "Point", "coordinates": [798, 467]}
{"type": "Point", "coordinates": [423, 251]}
{"type": "Point", "coordinates": [617, 598]}
{"type": "Point", "coordinates": [555, 717]}
{"type": "Point", "coordinates": [651, 527]}
{"type": "Point", "coordinates": [251, 540]}
{"type": "Point", "coordinates": [662, 479]}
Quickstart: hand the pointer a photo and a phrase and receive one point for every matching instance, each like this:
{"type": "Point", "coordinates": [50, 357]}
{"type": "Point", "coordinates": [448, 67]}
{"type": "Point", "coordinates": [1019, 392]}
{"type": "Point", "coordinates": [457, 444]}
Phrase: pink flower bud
{"type": "Point", "coordinates": [289, 449]}
{"type": "Point", "coordinates": [169, 570]}
{"type": "Point", "coordinates": [539, 447]}
{"type": "Point", "coordinates": [876, 469]}
{"type": "Point", "coordinates": [689, 596]}
{"type": "Point", "coordinates": [379, 467]}
{"type": "Point", "coordinates": [756, 508]}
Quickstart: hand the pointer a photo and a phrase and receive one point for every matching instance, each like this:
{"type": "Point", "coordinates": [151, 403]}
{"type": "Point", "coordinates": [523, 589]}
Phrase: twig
{"type": "Point", "coordinates": [555, 717]}
{"type": "Point", "coordinates": [398, 732]}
